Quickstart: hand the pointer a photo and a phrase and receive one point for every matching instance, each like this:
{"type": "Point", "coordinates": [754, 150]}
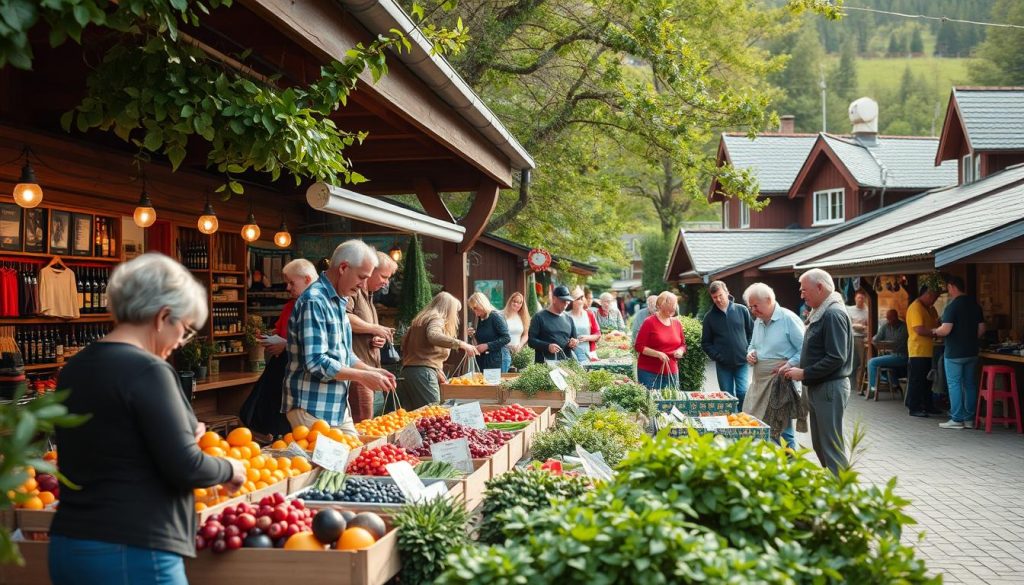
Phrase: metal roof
{"type": "Point", "coordinates": [906, 213]}
{"type": "Point", "coordinates": [893, 162]}
{"type": "Point", "coordinates": [966, 248]}
{"type": "Point", "coordinates": [998, 205]}
{"type": "Point", "coordinates": [713, 252]}
{"type": "Point", "coordinates": [993, 117]}
{"type": "Point", "coordinates": [775, 158]}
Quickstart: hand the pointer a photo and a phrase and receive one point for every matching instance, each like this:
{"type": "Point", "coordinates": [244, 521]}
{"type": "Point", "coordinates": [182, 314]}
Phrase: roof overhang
{"type": "Point", "coordinates": [821, 151]}
{"type": "Point", "coordinates": [953, 134]}
{"type": "Point", "coordinates": [978, 244]}
{"type": "Point", "coordinates": [521, 251]}
{"type": "Point", "coordinates": [338, 201]}
{"type": "Point", "coordinates": [626, 285]}
{"type": "Point", "coordinates": [895, 265]}
{"type": "Point", "coordinates": [723, 159]}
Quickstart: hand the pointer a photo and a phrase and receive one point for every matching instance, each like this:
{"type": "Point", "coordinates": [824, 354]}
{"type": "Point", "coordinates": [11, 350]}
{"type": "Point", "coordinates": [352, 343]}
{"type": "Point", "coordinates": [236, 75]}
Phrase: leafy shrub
{"type": "Point", "coordinates": [609, 432]}
{"type": "Point", "coordinates": [630, 396]}
{"type": "Point", "coordinates": [428, 531]}
{"type": "Point", "coordinates": [523, 358]}
{"type": "Point", "coordinates": [526, 489]}
{"type": "Point", "coordinates": [595, 380]}
{"type": "Point", "coordinates": [532, 379]}
{"type": "Point", "coordinates": [691, 367]}
{"type": "Point", "coordinates": [700, 509]}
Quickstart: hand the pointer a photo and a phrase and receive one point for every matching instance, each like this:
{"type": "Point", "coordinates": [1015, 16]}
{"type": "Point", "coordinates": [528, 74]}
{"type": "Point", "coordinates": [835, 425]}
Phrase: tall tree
{"type": "Point", "coordinates": [654, 252]}
{"type": "Point", "coordinates": [916, 42]}
{"type": "Point", "coordinates": [947, 41]}
{"type": "Point", "coordinates": [1001, 56]}
{"type": "Point", "coordinates": [799, 80]}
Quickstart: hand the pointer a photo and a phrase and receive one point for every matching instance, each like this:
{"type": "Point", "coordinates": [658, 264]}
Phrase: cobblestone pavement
{"type": "Point", "coordinates": [966, 488]}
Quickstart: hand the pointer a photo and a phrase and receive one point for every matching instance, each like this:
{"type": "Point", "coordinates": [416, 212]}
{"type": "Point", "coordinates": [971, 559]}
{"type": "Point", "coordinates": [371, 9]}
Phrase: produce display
{"type": "Point", "coordinates": [437, 470]}
{"type": "Point", "coordinates": [527, 489]}
{"type": "Point", "coordinates": [598, 430]}
{"type": "Point", "coordinates": [305, 437]}
{"type": "Point", "coordinates": [614, 344]}
{"type": "Point", "coordinates": [628, 395]}
{"type": "Point", "coordinates": [474, 379]}
{"type": "Point", "coordinates": [708, 396]}
{"type": "Point", "coordinates": [261, 470]}
{"type": "Point", "coordinates": [742, 419]}
{"type": "Point", "coordinates": [373, 461]}
{"type": "Point", "coordinates": [436, 429]}
{"type": "Point", "coordinates": [358, 490]}
{"type": "Point", "coordinates": [393, 422]}
{"type": "Point", "coordinates": [535, 378]}
{"type": "Point", "coordinates": [39, 490]}
{"type": "Point", "coordinates": [268, 524]}
{"type": "Point", "coordinates": [509, 418]}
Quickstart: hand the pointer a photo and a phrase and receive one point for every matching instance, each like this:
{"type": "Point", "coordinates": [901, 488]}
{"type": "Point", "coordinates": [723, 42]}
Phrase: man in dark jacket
{"type": "Point", "coordinates": [727, 331]}
{"type": "Point", "coordinates": [552, 332]}
{"type": "Point", "coordinates": [825, 365]}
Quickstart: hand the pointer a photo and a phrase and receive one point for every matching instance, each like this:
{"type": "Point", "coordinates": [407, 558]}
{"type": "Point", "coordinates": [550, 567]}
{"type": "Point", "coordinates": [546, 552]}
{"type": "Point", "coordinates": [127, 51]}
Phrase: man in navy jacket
{"type": "Point", "coordinates": [727, 331]}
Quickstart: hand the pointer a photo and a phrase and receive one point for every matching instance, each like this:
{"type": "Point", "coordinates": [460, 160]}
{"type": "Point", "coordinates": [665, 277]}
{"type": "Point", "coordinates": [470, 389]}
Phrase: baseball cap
{"type": "Point", "coordinates": [562, 292]}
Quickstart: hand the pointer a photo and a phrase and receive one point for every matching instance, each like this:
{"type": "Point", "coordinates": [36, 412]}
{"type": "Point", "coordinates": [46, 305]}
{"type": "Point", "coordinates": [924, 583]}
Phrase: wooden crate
{"type": "Point", "coordinates": [8, 519]}
{"type": "Point", "coordinates": [553, 399]}
{"type": "Point", "coordinates": [484, 393]}
{"type": "Point", "coordinates": [34, 572]}
{"type": "Point", "coordinates": [589, 398]}
{"type": "Point", "coordinates": [373, 566]}
{"type": "Point", "coordinates": [35, 524]}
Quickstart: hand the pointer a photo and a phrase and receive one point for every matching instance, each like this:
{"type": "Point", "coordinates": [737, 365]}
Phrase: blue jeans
{"type": "Point", "coordinates": [884, 361]}
{"type": "Point", "coordinates": [655, 381]}
{"type": "Point", "coordinates": [962, 381]}
{"type": "Point", "coordinates": [75, 561]}
{"type": "Point", "coordinates": [789, 437]}
{"type": "Point", "coordinates": [506, 359]}
{"type": "Point", "coordinates": [734, 381]}
{"type": "Point", "coordinates": [580, 353]}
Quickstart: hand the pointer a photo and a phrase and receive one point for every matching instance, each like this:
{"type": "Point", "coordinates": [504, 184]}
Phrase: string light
{"type": "Point", "coordinates": [250, 231]}
{"type": "Point", "coordinates": [28, 193]}
{"type": "Point", "coordinates": [144, 215]}
{"type": "Point", "coordinates": [283, 239]}
{"type": "Point", "coordinates": [208, 223]}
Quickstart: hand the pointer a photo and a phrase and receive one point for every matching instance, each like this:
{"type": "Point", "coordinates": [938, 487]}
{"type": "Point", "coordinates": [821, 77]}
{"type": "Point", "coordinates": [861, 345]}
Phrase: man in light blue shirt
{"type": "Point", "coordinates": [777, 340]}
{"type": "Point", "coordinates": [642, 315]}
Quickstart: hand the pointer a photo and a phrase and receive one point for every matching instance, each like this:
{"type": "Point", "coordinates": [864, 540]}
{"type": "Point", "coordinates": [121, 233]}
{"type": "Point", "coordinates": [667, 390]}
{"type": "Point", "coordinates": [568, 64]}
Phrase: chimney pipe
{"type": "Point", "coordinates": [787, 124]}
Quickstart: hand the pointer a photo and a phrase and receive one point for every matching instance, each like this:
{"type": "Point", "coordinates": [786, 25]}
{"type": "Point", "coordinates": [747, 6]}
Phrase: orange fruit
{"type": "Point", "coordinates": [259, 485]}
{"type": "Point", "coordinates": [312, 436]}
{"type": "Point", "coordinates": [47, 498]}
{"type": "Point", "coordinates": [354, 538]}
{"type": "Point", "coordinates": [234, 453]}
{"type": "Point", "coordinates": [266, 475]}
{"type": "Point", "coordinates": [254, 448]}
{"type": "Point", "coordinates": [279, 445]}
{"type": "Point", "coordinates": [30, 484]}
{"type": "Point", "coordinates": [252, 474]}
{"type": "Point", "coordinates": [335, 434]}
{"type": "Point", "coordinates": [214, 452]}
{"type": "Point", "coordinates": [258, 462]}
{"type": "Point", "coordinates": [31, 471]}
{"type": "Point", "coordinates": [33, 503]}
{"type": "Point", "coordinates": [52, 455]}
{"type": "Point", "coordinates": [289, 438]}
{"type": "Point", "coordinates": [200, 506]}
{"type": "Point", "coordinates": [200, 493]}
{"type": "Point", "coordinates": [239, 437]}
{"type": "Point", "coordinates": [303, 444]}
{"type": "Point", "coordinates": [209, 439]}
{"type": "Point", "coordinates": [270, 463]}
{"type": "Point", "coordinates": [284, 463]}
{"type": "Point", "coordinates": [303, 541]}
{"type": "Point", "coordinates": [320, 426]}
{"type": "Point", "coordinates": [298, 433]}
{"type": "Point", "coordinates": [300, 463]}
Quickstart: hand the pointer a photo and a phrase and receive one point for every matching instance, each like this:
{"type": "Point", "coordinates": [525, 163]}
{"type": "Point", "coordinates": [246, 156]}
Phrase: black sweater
{"type": "Point", "coordinates": [493, 330]}
{"type": "Point", "coordinates": [727, 334]}
{"type": "Point", "coordinates": [828, 347]}
{"type": "Point", "coordinates": [136, 459]}
{"type": "Point", "coordinates": [547, 328]}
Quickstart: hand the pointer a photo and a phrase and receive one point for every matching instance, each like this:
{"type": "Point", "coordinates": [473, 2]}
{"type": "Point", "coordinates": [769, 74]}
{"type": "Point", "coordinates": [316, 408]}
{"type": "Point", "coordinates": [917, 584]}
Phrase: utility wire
{"type": "Point", "coordinates": [938, 18]}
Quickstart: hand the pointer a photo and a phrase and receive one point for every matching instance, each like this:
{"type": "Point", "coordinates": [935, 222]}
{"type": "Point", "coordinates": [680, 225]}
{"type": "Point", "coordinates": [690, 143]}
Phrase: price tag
{"type": "Point", "coordinates": [714, 422]}
{"type": "Point", "coordinates": [677, 415]}
{"type": "Point", "coordinates": [409, 437]}
{"type": "Point", "coordinates": [293, 449]}
{"type": "Point", "coordinates": [435, 490]}
{"type": "Point", "coordinates": [594, 465]}
{"type": "Point", "coordinates": [330, 454]}
{"type": "Point", "coordinates": [468, 414]}
{"type": "Point", "coordinates": [455, 453]}
{"type": "Point", "coordinates": [558, 377]}
{"type": "Point", "coordinates": [492, 376]}
{"type": "Point", "coordinates": [406, 479]}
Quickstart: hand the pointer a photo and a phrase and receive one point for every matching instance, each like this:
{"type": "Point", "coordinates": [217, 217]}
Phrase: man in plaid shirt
{"type": "Point", "coordinates": [321, 362]}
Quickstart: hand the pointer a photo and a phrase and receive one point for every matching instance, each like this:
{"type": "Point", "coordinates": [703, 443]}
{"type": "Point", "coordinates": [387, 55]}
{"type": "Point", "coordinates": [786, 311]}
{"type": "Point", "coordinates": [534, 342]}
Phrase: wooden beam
{"type": "Point", "coordinates": [374, 150]}
{"type": "Point", "coordinates": [431, 201]}
{"type": "Point", "coordinates": [480, 211]}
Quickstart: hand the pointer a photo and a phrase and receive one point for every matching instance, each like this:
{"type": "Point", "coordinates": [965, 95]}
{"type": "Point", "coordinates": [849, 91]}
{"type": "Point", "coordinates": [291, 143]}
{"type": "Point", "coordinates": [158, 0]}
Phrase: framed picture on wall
{"type": "Point", "coordinates": [10, 227]}
{"type": "Point", "coordinates": [60, 231]}
{"type": "Point", "coordinates": [36, 229]}
{"type": "Point", "coordinates": [81, 234]}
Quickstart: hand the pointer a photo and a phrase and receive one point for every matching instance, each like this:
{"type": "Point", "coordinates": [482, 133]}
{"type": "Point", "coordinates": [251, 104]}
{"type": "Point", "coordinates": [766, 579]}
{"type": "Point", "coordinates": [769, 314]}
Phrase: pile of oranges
{"type": "Point", "coordinates": [476, 379]}
{"type": "Point", "coordinates": [742, 419]}
{"type": "Point", "coordinates": [306, 437]}
{"type": "Point", "coordinates": [261, 470]}
{"type": "Point", "coordinates": [393, 422]}
{"type": "Point", "coordinates": [38, 495]}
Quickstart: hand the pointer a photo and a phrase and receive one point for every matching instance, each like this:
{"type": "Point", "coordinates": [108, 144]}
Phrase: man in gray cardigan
{"type": "Point", "coordinates": [825, 365]}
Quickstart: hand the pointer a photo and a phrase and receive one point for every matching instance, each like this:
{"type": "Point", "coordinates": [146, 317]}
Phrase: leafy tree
{"type": "Point", "coordinates": [916, 42]}
{"type": "Point", "coordinates": [799, 79]}
{"type": "Point", "coordinates": [844, 78]}
{"type": "Point", "coordinates": [654, 251]}
{"type": "Point", "coordinates": [532, 303]}
{"type": "Point", "coordinates": [894, 46]}
{"type": "Point", "coordinates": [947, 41]}
{"type": "Point", "coordinates": [1001, 56]}
{"type": "Point", "coordinates": [415, 293]}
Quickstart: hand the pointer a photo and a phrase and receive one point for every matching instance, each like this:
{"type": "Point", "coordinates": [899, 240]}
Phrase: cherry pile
{"type": "Point", "coordinates": [373, 461]}
{"type": "Point", "coordinates": [266, 525]}
{"type": "Point", "coordinates": [436, 429]}
{"type": "Point", "coordinates": [510, 413]}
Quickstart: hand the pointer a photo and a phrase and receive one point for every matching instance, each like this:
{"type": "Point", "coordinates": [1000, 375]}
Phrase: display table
{"type": "Point", "coordinates": [623, 365]}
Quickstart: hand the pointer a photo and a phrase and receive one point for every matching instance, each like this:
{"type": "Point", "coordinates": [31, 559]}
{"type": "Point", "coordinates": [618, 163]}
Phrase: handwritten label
{"type": "Point", "coordinates": [468, 414]}
{"type": "Point", "coordinates": [293, 450]}
{"type": "Point", "coordinates": [570, 404]}
{"type": "Point", "coordinates": [492, 376]}
{"type": "Point", "coordinates": [406, 479]}
{"type": "Point", "coordinates": [714, 422]}
{"type": "Point", "coordinates": [677, 415]}
{"type": "Point", "coordinates": [409, 437]}
{"type": "Point", "coordinates": [558, 377]}
{"type": "Point", "coordinates": [330, 454]}
{"type": "Point", "coordinates": [594, 465]}
{"type": "Point", "coordinates": [455, 453]}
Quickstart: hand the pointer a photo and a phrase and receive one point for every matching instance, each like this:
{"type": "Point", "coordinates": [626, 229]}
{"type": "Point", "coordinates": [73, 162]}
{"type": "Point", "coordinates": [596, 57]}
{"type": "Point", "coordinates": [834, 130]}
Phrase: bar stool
{"type": "Point", "coordinates": [888, 375]}
{"type": "Point", "coordinates": [989, 393]}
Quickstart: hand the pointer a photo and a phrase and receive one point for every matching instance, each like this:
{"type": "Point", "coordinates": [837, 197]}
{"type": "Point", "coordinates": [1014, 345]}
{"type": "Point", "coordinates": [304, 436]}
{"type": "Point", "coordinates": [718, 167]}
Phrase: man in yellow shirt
{"type": "Point", "coordinates": [921, 319]}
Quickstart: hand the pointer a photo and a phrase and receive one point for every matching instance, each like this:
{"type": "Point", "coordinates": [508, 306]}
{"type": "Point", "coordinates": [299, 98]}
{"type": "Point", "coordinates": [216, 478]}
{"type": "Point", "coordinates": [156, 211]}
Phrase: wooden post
{"type": "Point", "coordinates": [475, 221]}
{"type": "Point", "coordinates": [454, 280]}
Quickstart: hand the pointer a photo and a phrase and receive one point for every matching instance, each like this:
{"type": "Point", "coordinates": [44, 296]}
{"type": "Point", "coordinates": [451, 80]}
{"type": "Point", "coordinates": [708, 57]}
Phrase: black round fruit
{"type": "Point", "coordinates": [370, 522]}
{"type": "Point", "coordinates": [258, 541]}
{"type": "Point", "coordinates": [328, 525]}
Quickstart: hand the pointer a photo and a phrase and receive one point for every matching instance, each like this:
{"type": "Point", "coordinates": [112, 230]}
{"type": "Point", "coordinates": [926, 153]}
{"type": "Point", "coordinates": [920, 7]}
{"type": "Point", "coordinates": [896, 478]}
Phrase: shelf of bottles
{"type": "Point", "coordinates": [48, 346]}
{"type": "Point", "coordinates": [227, 321]}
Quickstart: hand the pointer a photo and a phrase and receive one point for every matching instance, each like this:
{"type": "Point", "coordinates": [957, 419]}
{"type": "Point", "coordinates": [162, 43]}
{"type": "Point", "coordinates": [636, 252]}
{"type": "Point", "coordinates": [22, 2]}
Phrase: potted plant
{"type": "Point", "coordinates": [253, 330]}
{"type": "Point", "coordinates": [195, 356]}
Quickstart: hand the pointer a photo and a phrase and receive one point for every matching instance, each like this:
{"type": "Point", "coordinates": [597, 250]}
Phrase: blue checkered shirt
{"type": "Point", "coordinates": [319, 346]}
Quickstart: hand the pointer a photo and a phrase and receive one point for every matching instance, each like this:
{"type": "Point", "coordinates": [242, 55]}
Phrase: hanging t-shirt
{"type": "Point", "coordinates": [58, 294]}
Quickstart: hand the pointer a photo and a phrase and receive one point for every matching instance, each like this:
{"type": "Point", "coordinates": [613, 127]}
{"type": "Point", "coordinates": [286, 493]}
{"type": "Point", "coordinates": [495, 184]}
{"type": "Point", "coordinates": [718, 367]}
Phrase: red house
{"type": "Point", "coordinates": [983, 131]}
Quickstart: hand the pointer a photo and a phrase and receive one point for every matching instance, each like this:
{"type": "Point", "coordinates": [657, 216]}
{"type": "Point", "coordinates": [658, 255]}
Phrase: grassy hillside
{"type": "Point", "coordinates": [942, 73]}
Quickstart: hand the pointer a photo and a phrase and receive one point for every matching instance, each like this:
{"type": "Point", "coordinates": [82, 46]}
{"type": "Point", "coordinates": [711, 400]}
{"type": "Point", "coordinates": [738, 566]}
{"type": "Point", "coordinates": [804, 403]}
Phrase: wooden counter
{"type": "Point", "coordinates": [1003, 357]}
{"type": "Point", "coordinates": [226, 380]}
{"type": "Point", "coordinates": [223, 393]}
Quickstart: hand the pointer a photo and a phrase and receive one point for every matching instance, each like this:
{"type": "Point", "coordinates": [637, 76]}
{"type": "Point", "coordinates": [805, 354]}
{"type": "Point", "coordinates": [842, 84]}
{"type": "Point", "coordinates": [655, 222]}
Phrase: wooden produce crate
{"type": "Point", "coordinates": [759, 432]}
{"type": "Point", "coordinates": [454, 490]}
{"type": "Point", "coordinates": [703, 407]}
{"type": "Point", "coordinates": [525, 436]}
{"type": "Point", "coordinates": [484, 393]}
{"type": "Point", "coordinates": [589, 398]}
{"type": "Point", "coordinates": [8, 519]}
{"type": "Point", "coordinates": [471, 487]}
{"type": "Point", "coordinates": [34, 572]}
{"type": "Point", "coordinates": [372, 566]}
{"type": "Point", "coordinates": [35, 524]}
{"type": "Point", "coordinates": [553, 399]}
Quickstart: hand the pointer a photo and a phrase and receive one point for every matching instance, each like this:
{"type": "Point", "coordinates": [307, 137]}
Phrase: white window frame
{"type": "Point", "coordinates": [977, 167]}
{"type": "Point", "coordinates": [967, 164]}
{"type": "Point", "coordinates": [834, 196]}
{"type": "Point", "coordinates": [744, 215]}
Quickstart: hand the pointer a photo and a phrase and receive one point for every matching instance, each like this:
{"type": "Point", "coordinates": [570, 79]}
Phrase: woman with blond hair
{"type": "Point", "coordinates": [425, 347]}
{"type": "Point", "coordinates": [587, 330]}
{"type": "Point", "coordinates": [491, 332]}
{"type": "Point", "coordinates": [660, 344]}
{"type": "Point", "coordinates": [517, 318]}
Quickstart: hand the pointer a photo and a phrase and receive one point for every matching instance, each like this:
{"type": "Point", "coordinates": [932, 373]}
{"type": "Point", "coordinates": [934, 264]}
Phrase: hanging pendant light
{"type": "Point", "coordinates": [208, 223]}
{"type": "Point", "coordinates": [395, 252]}
{"type": "Point", "coordinates": [28, 193]}
{"type": "Point", "coordinates": [144, 215]}
{"type": "Point", "coordinates": [250, 231]}
{"type": "Point", "coordinates": [283, 239]}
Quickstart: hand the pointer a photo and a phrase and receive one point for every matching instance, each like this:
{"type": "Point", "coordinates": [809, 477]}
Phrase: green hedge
{"type": "Point", "coordinates": [691, 367]}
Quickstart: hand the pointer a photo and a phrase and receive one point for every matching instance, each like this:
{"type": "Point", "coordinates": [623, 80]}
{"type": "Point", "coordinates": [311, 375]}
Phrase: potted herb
{"type": "Point", "coordinates": [195, 355]}
{"type": "Point", "coordinates": [253, 330]}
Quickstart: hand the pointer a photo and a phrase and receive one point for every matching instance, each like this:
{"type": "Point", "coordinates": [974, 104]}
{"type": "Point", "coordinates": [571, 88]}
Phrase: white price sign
{"type": "Point", "coordinates": [677, 415]}
{"type": "Point", "coordinates": [468, 414]}
{"type": "Point", "coordinates": [594, 465]}
{"type": "Point", "coordinates": [492, 376]}
{"type": "Point", "coordinates": [408, 482]}
{"type": "Point", "coordinates": [294, 450]}
{"type": "Point", "coordinates": [455, 453]}
{"type": "Point", "coordinates": [330, 454]}
{"type": "Point", "coordinates": [409, 437]}
{"type": "Point", "coordinates": [714, 422]}
{"type": "Point", "coordinates": [558, 377]}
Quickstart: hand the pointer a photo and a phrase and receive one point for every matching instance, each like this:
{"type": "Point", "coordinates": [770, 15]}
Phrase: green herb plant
{"type": "Point", "coordinates": [533, 379]}
{"type": "Point", "coordinates": [427, 532]}
{"type": "Point", "coordinates": [528, 490]}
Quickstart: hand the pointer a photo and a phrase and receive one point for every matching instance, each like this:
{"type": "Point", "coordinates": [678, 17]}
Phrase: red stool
{"type": "Point", "coordinates": [989, 393]}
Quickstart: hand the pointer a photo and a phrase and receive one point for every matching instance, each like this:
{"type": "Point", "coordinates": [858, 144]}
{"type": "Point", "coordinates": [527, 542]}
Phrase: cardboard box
{"type": "Point", "coordinates": [372, 566]}
{"type": "Point", "coordinates": [484, 393]}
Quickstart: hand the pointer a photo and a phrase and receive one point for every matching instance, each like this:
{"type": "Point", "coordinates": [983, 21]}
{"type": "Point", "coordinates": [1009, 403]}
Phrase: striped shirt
{"type": "Point", "coordinates": [319, 346]}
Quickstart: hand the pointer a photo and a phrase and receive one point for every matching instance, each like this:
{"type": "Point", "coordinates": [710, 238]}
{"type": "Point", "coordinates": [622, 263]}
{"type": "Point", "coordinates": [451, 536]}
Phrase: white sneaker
{"type": "Point", "coordinates": [951, 424]}
{"type": "Point", "coordinates": [968, 424]}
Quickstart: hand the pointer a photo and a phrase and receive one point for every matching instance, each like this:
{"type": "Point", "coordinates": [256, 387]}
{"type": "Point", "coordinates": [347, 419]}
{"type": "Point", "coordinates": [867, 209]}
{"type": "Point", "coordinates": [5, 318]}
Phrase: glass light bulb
{"type": "Point", "coordinates": [250, 232]}
{"type": "Point", "coordinates": [283, 239]}
{"type": "Point", "coordinates": [28, 195]}
{"type": "Point", "coordinates": [144, 216]}
{"type": "Point", "coordinates": [208, 224]}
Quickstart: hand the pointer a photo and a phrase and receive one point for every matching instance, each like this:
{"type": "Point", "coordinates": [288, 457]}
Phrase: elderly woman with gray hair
{"type": "Point", "coordinates": [136, 458]}
{"type": "Point", "coordinates": [608, 315]}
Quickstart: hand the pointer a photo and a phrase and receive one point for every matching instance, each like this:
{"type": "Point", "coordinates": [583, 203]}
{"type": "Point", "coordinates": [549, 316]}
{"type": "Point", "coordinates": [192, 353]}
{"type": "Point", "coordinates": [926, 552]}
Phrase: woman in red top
{"type": "Point", "coordinates": [660, 344]}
